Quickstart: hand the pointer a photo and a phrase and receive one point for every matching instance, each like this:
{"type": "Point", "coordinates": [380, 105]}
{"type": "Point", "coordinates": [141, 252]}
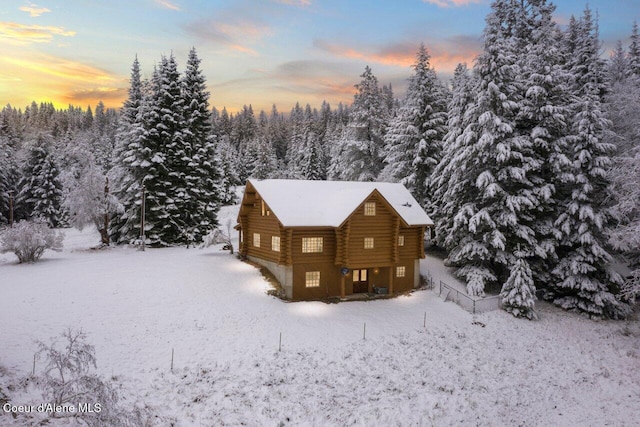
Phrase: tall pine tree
{"type": "Point", "coordinates": [413, 142]}
{"type": "Point", "coordinates": [202, 172]}
{"type": "Point", "coordinates": [582, 280]}
{"type": "Point", "coordinates": [362, 144]}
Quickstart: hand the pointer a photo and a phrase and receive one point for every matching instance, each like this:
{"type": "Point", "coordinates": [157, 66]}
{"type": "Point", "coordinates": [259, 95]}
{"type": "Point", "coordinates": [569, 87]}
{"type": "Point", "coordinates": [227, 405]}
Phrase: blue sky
{"type": "Point", "coordinates": [259, 52]}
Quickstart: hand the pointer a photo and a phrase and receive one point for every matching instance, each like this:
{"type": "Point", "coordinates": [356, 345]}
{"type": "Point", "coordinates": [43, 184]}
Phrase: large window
{"type": "Point", "coordinates": [401, 271]}
{"type": "Point", "coordinates": [368, 242]}
{"type": "Point", "coordinates": [312, 244]}
{"type": "Point", "coordinates": [256, 240]}
{"type": "Point", "coordinates": [312, 279]}
{"type": "Point", "coordinates": [275, 243]}
{"type": "Point", "coordinates": [370, 208]}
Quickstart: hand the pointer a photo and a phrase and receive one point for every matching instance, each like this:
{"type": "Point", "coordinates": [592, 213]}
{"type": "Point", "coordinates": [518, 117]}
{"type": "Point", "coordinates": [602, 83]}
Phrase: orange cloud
{"type": "Point", "coordinates": [167, 5]}
{"type": "Point", "coordinates": [61, 68]}
{"type": "Point", "coordinates": [25, 34]}
{"type": "Point", "coordinates": [34, 10]}
{"type": "Point", "coordinates": [110, 96]}
{"type": "Point", "coordinates": [236, 33]}
{"type": "Point", "coordinates": [454, 3]}
{"type": "Point", "coordinates": [403, 59]}
{"type": "Point", "coordinates": [28, 75]}
{"type": "Point", "coordinates": [445, 55]}
{"type": "Point", "coordinates": [243, 49]}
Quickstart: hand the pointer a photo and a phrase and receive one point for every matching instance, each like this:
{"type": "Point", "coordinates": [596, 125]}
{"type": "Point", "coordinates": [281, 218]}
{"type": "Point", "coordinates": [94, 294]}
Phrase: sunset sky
{"type": "Point", "coordinates": [260, 52]}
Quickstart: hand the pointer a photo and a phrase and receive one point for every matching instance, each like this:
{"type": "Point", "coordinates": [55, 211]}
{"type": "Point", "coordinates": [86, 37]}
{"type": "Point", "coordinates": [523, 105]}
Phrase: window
{"type": "Point", "coordinates": [401, 271]}
{"type": "Point", "coordinates": [312, 244]}
{"type": "Point", "coordinates": [312, 279]}
{"type": "Point", "coordinates": [370, 208]}
{"type": "Point", "coordinates": [368, 242]}
{"type": "Point", "coordinates": [275, 243]}
{"type": "Point", "coordinates": [264, 210]}
{"type": "Point", "coordinates": [401, 240]}
{"type": "Point", "coordinates": [256, 240]}
{"type": "Point", "coordinates": [360, 275]}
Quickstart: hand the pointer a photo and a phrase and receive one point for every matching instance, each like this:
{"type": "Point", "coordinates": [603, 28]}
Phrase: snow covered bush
{"type": "Point", "coordinates": [218, 236]}
{"type": "Point", "coordinates": [631, 288]}
{"type": "Point", "coordinates": [70, 382]}
{"type": "Point", "coordinates": [29, 239]}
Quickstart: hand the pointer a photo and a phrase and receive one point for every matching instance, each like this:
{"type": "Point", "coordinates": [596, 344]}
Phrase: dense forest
{"type": "Point", "coordinates": [528, 163]}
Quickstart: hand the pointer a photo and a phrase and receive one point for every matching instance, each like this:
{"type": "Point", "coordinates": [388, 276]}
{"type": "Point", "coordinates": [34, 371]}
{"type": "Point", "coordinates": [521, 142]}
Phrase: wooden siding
{"type": "Point", "coordinates": [382, 227]}
{"type": "Point", "coordinates": [252, 221]}
{"type": "Point", "coordinates": [404, 284]}
{"type": "Point", "coordinates": [342, 247]}
{"type": "Point", "coordinates": [329, 281]}
{"type": "Point", "coordinates": [413, 242]}
{"type": "Point", "coordinates": [328, 245]}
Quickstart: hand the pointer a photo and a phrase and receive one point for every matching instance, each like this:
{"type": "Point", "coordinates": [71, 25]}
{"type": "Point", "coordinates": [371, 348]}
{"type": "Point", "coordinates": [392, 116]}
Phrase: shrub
{"type": "Point", "coordinates": [29, 239]}
{"type": "Point", "coordinates": [70, 380]}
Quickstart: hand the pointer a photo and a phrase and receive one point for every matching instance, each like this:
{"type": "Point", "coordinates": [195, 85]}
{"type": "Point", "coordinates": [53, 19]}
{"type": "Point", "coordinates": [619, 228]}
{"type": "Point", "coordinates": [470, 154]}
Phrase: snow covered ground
{"type": "Point", "coordinates": [213, 311]}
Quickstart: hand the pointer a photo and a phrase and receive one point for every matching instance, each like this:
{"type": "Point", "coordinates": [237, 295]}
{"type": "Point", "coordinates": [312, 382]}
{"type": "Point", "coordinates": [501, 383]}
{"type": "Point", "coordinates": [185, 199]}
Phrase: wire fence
{"type": "Point", "coordinates": [471, 304]}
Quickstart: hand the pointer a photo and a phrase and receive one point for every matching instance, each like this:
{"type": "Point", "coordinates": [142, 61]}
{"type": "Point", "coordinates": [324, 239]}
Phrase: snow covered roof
{"type": "Point", "coordinates": [300, 203]}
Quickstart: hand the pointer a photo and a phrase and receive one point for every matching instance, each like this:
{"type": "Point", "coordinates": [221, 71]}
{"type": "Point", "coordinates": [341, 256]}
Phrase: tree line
{"type": "Point", "coordinates": [528, 162]}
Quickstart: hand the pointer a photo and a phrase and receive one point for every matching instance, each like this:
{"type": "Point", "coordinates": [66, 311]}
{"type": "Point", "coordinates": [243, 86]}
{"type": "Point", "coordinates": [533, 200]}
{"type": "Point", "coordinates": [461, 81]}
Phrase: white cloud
{"type": "Point", "coordinates": [34, 9]}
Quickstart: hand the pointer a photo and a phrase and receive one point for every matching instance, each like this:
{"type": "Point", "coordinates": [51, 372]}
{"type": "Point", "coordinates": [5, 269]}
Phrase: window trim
{"type": "Point", "coordinates": [312, 245]}
{"type": "Point", "coordinates": [370, 209]}
{"type": "Point", "coordinates": [312, 279]}
{"type": "Point", "coordinates": [275, 243]}
{"type": "Point", "coordinates": [369, 243]}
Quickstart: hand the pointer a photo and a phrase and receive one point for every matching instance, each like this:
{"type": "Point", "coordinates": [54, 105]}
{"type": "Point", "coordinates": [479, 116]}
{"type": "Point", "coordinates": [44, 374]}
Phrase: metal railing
{"type": "Point", "coordinates": [469, 303]}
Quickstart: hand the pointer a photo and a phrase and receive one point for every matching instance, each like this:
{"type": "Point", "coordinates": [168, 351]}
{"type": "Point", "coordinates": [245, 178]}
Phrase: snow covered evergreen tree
{"type": "Point", "coordinates": [449, 176]}
{"type": "Point", "coordinates": [362, 144]}
{"type": "Point", "coordinates": [129, 164]}
{"type": "Point", "coordinates": [634, 52]}
{"type": "Point", "coordinates": [518, 292]}
{"type": "Point", "coordinates": [166, 187]}
{"type": "Point", "coordinates": [623, 108]}
{"type": "Point", "coordinates": [582, 279]}
{"type": "Point", "coordinates": [41, 188]}
{"type": "Point", "coordinates": [297, 145]}
{"type": "Point", "coordinates": [543, 119]}
{"type": "Point", "coordinates": [201, 171]}
{"type": "Point", "coordinates": [496, 178]}
{"type": "Point", "coordinates": [497, 216]}
{"type": "Point", "coordinates": [313, 162]}
{"type": "Point", "coordinates": [5, 187]}
{"type": "Point", "coordinates": [413, 142]}
{"type": "Point", "coordinates": [228, 158]}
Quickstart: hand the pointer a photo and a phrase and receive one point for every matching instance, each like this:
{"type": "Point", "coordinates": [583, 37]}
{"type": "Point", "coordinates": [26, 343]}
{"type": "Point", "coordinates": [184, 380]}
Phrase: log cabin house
{"type": "Point", "coordinates": [333, 238]}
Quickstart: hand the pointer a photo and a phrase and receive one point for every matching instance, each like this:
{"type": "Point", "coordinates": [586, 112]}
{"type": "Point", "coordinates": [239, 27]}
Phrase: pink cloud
{"type": "Point", "coordinates": [167, 5]}
{"type": "Point", "coordinates": [450, 3]}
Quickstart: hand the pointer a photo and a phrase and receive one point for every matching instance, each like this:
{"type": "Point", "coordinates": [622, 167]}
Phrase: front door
{"type": "Point", "coordinates": [360, 281]}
